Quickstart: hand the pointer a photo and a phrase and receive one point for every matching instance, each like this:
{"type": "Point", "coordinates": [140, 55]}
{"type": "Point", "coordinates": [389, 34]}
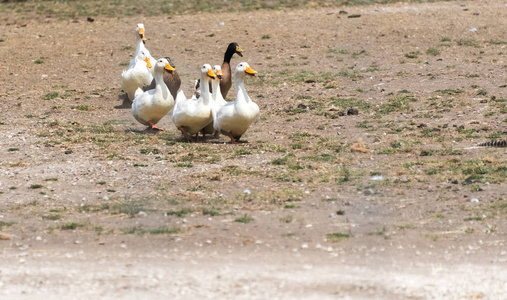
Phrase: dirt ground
{"type": "Point", "coordinates": [94, 205]}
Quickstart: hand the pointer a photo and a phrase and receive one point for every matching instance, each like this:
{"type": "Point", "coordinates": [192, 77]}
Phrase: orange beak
{"type": "Point", "coordinates": [250, 71]}
{"type": "Point", "coordinates": [141, 30]}
{"type": "Point", "coordinates": [211, 74]}
{"type": "Point", "coordinates": [148, 63]}
{"type": "Point", "coordinates": [168, 67]}
{"type": "Point", "coordinates": [219, 74]}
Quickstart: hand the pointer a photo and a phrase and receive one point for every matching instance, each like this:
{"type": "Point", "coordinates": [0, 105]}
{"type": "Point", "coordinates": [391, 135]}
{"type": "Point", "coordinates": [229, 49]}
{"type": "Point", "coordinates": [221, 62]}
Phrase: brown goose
{"type": "Point", "coordinates": [226, 82]}
{"type": "Point", "coordinates": [171, 79]}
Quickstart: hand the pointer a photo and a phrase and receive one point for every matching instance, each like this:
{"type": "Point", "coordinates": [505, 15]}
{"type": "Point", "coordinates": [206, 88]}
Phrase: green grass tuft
{"type": "Point", "coordinates": [336, 237]}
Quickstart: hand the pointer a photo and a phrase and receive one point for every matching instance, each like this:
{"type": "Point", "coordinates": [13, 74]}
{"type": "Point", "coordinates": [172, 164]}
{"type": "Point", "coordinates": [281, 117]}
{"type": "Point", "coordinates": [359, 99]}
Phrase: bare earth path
{"type": "Point", "coordinates": [94, 206]}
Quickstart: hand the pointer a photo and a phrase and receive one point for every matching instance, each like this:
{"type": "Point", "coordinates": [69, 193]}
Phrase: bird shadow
{"type": "Point", "coordinates": [126, 103]}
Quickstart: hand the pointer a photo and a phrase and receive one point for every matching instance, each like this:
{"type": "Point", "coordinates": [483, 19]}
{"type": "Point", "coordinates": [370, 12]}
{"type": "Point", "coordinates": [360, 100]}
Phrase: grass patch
{"type": "Point", "coordinates": [346, 103]}
{"type": "Point", "coordinates": [129, 207]}
{"type": "Point", "coordinates": [179, 213]}
{"type": "Point", "coordinates": [210, 212]}
{"type": "Point", "coordinates": [309, 77]}
{"type": "Point", "coordinates": [449, 91]}
{"type": "Point", "coordinates": [433, 51]}
{"type": "Point", "coordinates": [114, 8]}
{"type": "Point", "coordinates": [242, 152]}
{"type": "Point", "coordinates": [82, 107]}
{"type": "Point", "coordinates": [336, 237]}
{"type": "Point", "coordinates": [5, 224]}
{"type": "Point", "coordinates": [477, 218]}
{"type": "Point", "coordinates": [405, 227]}
{"type": "Point", "coordinates": [244, 219]}
{"type": "Point", "coordinates": [350, 73]}
{"type": "Point", "coordinates": [279, 161]}
{"type": "Point", "coordinates": [290, 206]}
{"type": "Point", "coordinates": [71, 226]}
{"type": "Point", "coordinates": [482, 92]}
{"type": "Point", "coordinates": [413, 54]}
{"type": "Point", "coordinates": [497, 42]}
{"type": "Point", "coordinates": [500, 204]}
{"type": "Point", "coordinates": [50, 96]}
{"type": "Point", "coordinates": [35, 186]}
{"type": "Point", "coordinates": [52, 217]}
{"type": "Point", "coordinates": [396, 104]}
{"type": "Point", "coordinates": [165, 230]}
{"type": "Point", "coordinates": [148, 151]}
{"type": "Point", "coordinates": [184, 165]}
{"type": "Point", "coordinates": [468, 43]}
{"type": "Point", "coordinates": [338, 51]}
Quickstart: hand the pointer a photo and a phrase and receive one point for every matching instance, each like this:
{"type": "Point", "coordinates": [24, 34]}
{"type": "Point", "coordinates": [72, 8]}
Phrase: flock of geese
{"type": "Point", "coordinates": [153, 86]}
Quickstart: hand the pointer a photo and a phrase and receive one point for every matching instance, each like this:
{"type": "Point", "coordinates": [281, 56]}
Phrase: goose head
{"type": "Point", "coordinates": [243, 69]}
{"type": "Point", "coordinates": [207, 72]}
{"type": "Point", "coordinates": [163, 64]}
{"type": "Point", "coordinates": [232, 49]}
{"type": "Point", "coordinates": [235, 48]}
{"type": "Point", "coordinates": [140, 32]}
{"type": "Point", "coordinates": [144, 55]}
{"type": "Point", "coordinates": [171, 64]}
{"type": "Point", "coordinates": [218, 71]}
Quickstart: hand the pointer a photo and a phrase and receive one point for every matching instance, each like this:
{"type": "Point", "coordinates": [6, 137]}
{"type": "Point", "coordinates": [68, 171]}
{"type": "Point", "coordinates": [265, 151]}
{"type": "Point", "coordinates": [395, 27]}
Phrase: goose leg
{"type": "Point", "coordinates": [154, 127]}
{"type": "Point", "coordinates": [232, 138]}
{"type": "Point", "coordinates": [197, 137]}
{"type": "Point", "coordinates": [185, 133]}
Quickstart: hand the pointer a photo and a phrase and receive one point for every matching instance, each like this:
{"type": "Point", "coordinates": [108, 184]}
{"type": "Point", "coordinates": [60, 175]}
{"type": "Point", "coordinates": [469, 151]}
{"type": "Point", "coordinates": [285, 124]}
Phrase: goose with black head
{"type": "Point", "coordinates": [226, 82]}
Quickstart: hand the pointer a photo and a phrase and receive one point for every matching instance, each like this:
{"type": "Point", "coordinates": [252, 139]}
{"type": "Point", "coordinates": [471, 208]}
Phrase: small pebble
{"type": "Point", "coordinates": [474, 200]}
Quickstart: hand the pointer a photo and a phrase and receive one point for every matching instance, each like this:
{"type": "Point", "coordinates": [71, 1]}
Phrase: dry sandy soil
{"type": "Point", "coordinates": [95, 206]}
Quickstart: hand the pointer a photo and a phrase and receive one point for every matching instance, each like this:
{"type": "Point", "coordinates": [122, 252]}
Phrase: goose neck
{"type": "Point", "coordinates": [228, 55]}
{"type": "Point", "coordinates": [160, 86]}
{"type": "Point", "coordinates": [205, 94]}
{"type": "Point", "coordinates": [241, 94]}
{"type": "Point", "coordinates": [216, 89]}
{"type": "Point", "coordinates": [139, 45]}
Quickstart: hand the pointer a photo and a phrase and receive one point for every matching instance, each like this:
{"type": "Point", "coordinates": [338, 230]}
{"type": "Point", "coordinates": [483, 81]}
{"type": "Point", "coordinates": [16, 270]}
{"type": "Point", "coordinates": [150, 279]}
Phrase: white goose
{"type": "Point", "coordinates": [192, 115]}
{"type": "Point", "coordinates": [140, 40]}
{"type": "Point", "coordinates": [151, 106]}
{"type": "Point", "coordinates": [137, 76]}
{"type": "Point", "coordinates": [234, 118]}
{"type": "Point", "coordinates": [217, 99]}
